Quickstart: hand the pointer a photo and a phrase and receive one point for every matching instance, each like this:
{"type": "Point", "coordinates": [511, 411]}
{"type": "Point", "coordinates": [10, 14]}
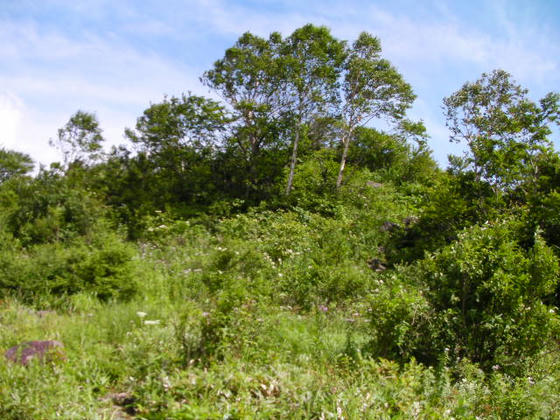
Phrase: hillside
{"type": "Point", "coordinates": [274, 255]}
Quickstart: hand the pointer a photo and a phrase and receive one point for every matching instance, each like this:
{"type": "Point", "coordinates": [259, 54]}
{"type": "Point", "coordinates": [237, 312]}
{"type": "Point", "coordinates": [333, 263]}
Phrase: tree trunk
{"type": "Point", "coordinates": [346, 143]}
{"type": "Point", "coordinates": [293, 163]}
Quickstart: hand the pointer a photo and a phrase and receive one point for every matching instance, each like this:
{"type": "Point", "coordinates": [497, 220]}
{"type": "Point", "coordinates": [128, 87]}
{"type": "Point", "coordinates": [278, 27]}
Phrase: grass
{"type": "Point", "coordinates": [258, 316]}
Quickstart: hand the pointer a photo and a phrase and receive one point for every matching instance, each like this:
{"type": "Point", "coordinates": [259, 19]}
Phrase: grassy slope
{"type": "Point", "coordinates": [260, 316]}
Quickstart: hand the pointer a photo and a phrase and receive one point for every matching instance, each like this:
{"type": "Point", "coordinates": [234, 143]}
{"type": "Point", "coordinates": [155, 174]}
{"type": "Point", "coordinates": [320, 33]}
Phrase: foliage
{"type": "Point", "coordinates": [80, 140]}
{"type": "Point", "coordinates": [177, 123]}
{"type": "Point", "coordinates": [502, 128]}
{"type": "Point", "coordinates": [103, 267]}
{"type": "Point", "coordinates": [489, 294]}
{"type": "Point", "coordinates": [392, 156]}
{"type": "Point", "coordinates": [13, 164]}
{"type": "Point", "coordinates": [48, 208]}
{"type": "Point", "coordinates": [311, 60]}
{"type": "Point", "coordinates": [372, 88]}
{"type": "Point", "coordinates": [479, 298]}
{"type": "Point", "coordinates": [404, 292]}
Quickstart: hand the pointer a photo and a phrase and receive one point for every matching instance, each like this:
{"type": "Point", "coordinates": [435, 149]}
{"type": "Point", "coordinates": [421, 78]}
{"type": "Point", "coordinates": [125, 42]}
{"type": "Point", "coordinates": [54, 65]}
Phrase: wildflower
{"type": "Point", "coordinates": [141, 314]}
{"type": "Point", "coordinates": [323, 308]}
{"type": "Point", "coordinates": [152, 322]}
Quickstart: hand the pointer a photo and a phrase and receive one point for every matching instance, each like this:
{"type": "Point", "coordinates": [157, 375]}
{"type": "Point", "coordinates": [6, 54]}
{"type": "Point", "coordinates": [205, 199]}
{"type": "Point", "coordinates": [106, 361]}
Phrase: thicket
{"type": "Point", "coordinates": [291, 259]}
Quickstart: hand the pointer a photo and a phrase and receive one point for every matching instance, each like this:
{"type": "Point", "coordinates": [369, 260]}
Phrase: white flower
{"type": "Point", "coordinates": [141, 314]}
{"type": "Point", "coordinates": [151, 322]}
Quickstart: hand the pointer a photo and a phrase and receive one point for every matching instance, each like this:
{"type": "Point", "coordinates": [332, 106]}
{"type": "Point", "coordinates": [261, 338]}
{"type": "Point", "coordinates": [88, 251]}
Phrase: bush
{"type": "Point", "coordinates": [401, 320]}
{"type": "Point", "coordinates": [104, 268]}
{"type": "Point", "coordinates": [479, 298]}
{"type": "Point", "coordinates": [488, 294]}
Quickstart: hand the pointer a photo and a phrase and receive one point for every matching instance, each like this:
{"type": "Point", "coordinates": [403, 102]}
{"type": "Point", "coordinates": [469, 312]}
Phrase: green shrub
{"type": "Point", "coordinates": [401, 322]}
{"type": "Point", "coordinates": [49, 209]}
{"type": "Point", "coordinates": [480, 297]}
{"type": "Point", "coordinates": [488, 293]}
{"type": "Point", "coordinates": [104, 268]}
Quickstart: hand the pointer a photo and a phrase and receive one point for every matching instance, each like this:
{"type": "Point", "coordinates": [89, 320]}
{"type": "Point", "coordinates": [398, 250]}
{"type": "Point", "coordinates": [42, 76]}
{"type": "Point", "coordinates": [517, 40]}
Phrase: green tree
{"type": "Point", "coordinates": [488, 293]}
{"type": "Point", "coordinates": [399, 157]}
{"type": "Point", "coordinates": [178, 139]}
{"type": "Point", "coordinates": [372, 88]}
{"type": "Point", "coordinates": [13, 164]}
{"type": "Point", "coordinates": [80, 140]}
{"type": "Point", "coordinates": [480, 297]}
{"type": "Point", "coordinates": [247, 79]}
{"type": "Point", "coordinates": [175, 123]}
{"type": "Point", "coordinates": [503, 130]}
{"type": "Point", "coordinates": [311, 59]}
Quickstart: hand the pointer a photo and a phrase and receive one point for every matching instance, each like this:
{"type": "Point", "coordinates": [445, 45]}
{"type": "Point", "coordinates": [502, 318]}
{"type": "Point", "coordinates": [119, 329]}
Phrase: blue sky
{"type": "Point", "coordinates": [115, 57]}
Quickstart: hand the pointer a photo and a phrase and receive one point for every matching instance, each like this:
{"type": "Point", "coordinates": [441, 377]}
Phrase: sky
{"type": "Point", "coordinates": [116, 57]}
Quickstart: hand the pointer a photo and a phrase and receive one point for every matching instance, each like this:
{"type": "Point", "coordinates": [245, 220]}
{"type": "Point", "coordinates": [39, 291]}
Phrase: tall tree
{"type": "Point", "coordinates": [13, 164]}
{"type": "Point", "coordinates": [178, 137]}
{"type": "Point", "coordinates": [372, 88]}
{"type": "Point", "coordinates": [247, 79]}
{"type": "Point", "coordinates": [311, 63]}
{"type": "Point", "coordinates": [175, 123]}
{"type": "Point", "coordinates": [503, 130]}
{"type": "Point", "coordinates": [80, 140]}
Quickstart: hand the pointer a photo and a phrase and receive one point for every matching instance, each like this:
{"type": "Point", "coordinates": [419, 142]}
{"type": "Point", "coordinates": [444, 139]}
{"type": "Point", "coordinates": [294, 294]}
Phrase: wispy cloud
{"type": "Point", "coordinates": [51, 75]}
{"type": "Point", "coordinates": [116, 57]}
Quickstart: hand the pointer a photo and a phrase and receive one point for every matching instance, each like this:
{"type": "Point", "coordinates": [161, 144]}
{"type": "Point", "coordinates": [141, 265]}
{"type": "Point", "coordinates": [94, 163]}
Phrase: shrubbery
{"type": "Point", "coordinates": [480, 297]}
{"type": "Point", "coordinates": [103, 267]}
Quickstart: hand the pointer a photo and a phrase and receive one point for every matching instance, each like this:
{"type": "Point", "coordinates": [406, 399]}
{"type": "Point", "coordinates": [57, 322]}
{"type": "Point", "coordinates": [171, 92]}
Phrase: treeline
{"type": "Point", "coordinates": [299, 100]}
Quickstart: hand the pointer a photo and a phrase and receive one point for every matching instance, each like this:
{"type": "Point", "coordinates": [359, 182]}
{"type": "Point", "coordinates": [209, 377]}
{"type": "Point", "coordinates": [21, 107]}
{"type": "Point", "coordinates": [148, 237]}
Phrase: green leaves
{"type": "Point", "coordinates": [503, 129]}
{"type": "Point", "coordinates": [175, 123]}
{"type": "Point", "coordinates": [80, 140]}
{"type": "Point", "coordinates": [489, 293]}
{"type": "Point", "coordinates": [13, 164]}
{"type": "Point", "coordinates": [372, 89]}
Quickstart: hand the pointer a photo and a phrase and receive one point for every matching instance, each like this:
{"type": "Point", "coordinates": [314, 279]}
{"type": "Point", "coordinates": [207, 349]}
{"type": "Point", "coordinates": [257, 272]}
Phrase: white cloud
{"type": "Point", "coordinates": [11, 113]}
{"type": "Point", "coordinates": [112, 72]}
{"type": "Point", "coordinates": [56, 75]}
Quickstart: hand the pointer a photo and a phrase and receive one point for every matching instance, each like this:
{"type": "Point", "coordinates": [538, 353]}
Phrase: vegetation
{"type": "Point", "coordinates": [280, 255]}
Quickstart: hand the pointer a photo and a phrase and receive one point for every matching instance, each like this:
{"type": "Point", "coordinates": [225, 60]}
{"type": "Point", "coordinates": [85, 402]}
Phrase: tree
{"type": "Point", "coordinates": [247, 79]}
{"type": "Point", "coordinates": [175, 123]}
{"type": "Point", "coordinates": [177, 138]}
{"type": "Point", "coordinates": [401, 156]}
{"type": "Point", "coordinates": [311, 59]}
{"type": "Point", "coordinates": [80, 140]}
{"type": "Point", "coordinates": [372, 88]}
{"type": "Point", "coordinates": [503, 130]}
{"type": "Point", "coordinates": [13, 164]}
